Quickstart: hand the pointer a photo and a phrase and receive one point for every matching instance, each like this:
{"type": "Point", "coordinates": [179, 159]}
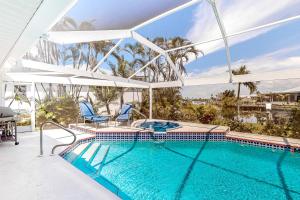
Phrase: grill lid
{"type": "Point", "coordinates": [6, 112]}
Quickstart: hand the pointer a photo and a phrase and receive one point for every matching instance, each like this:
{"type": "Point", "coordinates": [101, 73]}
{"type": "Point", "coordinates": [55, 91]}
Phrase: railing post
{"type": "Point", "coordinates": [150, 102]}
{"type": "Point", "coordinates": [41, 140]}
{"type": "Point", "coordinates": [59, 145]}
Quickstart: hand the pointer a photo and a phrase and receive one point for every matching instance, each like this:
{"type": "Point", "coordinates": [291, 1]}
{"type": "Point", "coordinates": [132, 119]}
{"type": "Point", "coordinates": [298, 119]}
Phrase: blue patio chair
{"type": "Point", "coordinates": [88, 114]}
{"type": "Point", "coordinates": [125, 113]}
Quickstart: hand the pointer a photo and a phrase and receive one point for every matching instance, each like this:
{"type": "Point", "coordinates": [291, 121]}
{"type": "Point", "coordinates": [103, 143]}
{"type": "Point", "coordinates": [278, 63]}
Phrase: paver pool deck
{"type": "Point", "coordinates": [25, 175]}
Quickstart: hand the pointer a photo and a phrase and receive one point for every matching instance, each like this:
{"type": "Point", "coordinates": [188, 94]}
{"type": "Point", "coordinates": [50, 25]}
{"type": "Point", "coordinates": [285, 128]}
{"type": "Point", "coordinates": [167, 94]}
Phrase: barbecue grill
{"type": "Point", "coordinates": [8, 125]}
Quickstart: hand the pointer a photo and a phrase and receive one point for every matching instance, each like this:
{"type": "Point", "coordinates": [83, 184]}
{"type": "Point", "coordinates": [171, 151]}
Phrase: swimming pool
{"type": "Point", "coordinates": [189, 170]}
{"type": "Point", "coordinates": [159, 126]}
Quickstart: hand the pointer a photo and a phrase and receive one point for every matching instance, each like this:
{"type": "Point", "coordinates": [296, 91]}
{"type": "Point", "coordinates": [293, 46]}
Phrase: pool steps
{"type": "Point", "coordinates": [93, 158]}
{"type": "Point", "coordinates": [91, 154]}
{"type": "Point", "coordinates": [99, 156]}
{"type": "Point", "coordinates": [102, 158]}
{"type": "Point", "coordinates": [90, 151]}
{"type": "Point", "coordinates": [78, 150]}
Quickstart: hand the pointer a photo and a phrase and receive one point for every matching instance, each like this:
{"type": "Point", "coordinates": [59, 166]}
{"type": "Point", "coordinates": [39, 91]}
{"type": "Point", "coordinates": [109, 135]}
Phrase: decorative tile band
{"type": "Point", "coordinates": [263, 144]}
{"type": "Point", "coordinates": [174, 136]}
{"type": "Point", "coordinates": [148, 136]}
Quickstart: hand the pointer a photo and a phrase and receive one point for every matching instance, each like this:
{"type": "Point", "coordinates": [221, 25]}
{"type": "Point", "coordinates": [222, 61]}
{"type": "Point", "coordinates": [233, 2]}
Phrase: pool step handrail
{"type": "Point", "coordinates": [137, 111]}
{"type": "Point", "coordinates": [58, 145]}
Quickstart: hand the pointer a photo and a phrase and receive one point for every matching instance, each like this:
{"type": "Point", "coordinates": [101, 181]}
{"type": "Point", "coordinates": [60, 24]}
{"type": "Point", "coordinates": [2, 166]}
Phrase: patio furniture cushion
{"type": "Point", "coordinates": [86, 109]}
{"type": "Point", "coordinates": [124, 117]}
{"type": "Point", "coordinates": [97, 118]}
{"type": "Point", "coordinates": [125, 108]}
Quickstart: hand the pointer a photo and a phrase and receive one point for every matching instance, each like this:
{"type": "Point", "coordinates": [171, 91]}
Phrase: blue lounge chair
{"type": "Point", "coordinates": [88, 114]}
{"type": "Point", "coordinates": [125, 113]}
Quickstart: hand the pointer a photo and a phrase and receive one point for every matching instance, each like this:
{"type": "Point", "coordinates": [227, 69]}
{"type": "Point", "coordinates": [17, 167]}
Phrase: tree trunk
{"type": "Point", "coordinates": [50, 91]}
{"type": "Point", "coordinates": [107, 108]}
{"type": "Point", "coordinates": [121, 98]}
{"type": "Point", "coordinates": [239, 91]}
{"type": "Point", "coordinates": [238, 101]}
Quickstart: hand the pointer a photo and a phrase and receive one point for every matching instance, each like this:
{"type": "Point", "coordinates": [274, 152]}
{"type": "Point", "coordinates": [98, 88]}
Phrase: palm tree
{"type": "Point", "coordinates": [121, 68]}
{"type": "Point", "coordinates": [106, 95]}
{"type": "Point", "coordinates": [162, 71]}
{"type": "Point", "coordinates": [181, 56]}
{"type": "Point", "coordinates": [250, 85]}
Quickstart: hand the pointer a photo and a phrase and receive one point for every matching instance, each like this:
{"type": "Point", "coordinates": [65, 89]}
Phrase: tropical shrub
{"type": "Point", "coordinates": [188, 112]}
{"type": "Point", "coordinates": [294, 123]}
{"type": "Point", "coordinates": [228, 104]}
{"type": "Point", "coordinates": [206, 114]}
{"type": "Point", "coordinates": [270, 128]}
{"type": "Point", "coordinates": [63, 110]}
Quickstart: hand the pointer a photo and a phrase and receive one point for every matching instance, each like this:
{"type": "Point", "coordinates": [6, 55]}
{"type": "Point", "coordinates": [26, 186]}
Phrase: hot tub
{"type": "Point", "coordinates": [159, 126]}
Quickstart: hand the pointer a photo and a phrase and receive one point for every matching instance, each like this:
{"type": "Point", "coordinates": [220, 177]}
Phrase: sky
{"type": "Point", "coordinates": [261, 51]}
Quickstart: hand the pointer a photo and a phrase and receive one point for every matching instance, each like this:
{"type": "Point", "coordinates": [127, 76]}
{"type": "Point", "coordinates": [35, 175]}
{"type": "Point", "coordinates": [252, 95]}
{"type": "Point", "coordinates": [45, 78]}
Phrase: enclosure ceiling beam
{"type": "Point", "coordinates": [107, 55]}
{"type": "Point", "coordinates": [147, 43]}
{"type": "Point", "coordinates": [159, 50]}
{"type": "Point", "coordinates": [255, 77]}
{"type": "Point", "coordinates": [224, 36]}
{"type": "Point", "coordinates": [72, 37]}
{"type": "Point", "coordinates": [174, 68]}
{"type": "Point", "coordinates": [142, 68]}
{"type": "Point", "coordinates": [279, 22]}
{"type": "Point", "coordinates": [75, 72]}
{"type": "Point", "coordinates": [20, 78]}
{"type": "Point", "coordinates": [268, 76]}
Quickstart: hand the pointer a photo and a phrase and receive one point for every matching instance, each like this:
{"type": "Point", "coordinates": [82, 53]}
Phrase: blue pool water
{"type": "Point", "coordinates": [191, 170]}
{"type": "Point", "coordinates": [159, 126]}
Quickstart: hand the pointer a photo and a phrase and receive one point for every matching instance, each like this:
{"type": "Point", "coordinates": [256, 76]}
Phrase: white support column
{"type": "Point", "coordinates": [224, 36]}
{"type": "Point", "coordinates": [32, 106]}
{"type": "Point", "coordinates": [150, 102]}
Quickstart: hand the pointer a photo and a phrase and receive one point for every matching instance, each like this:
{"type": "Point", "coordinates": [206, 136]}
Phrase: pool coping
{"type": "Point", "coordinates": [128, 134]}
{"type": "Point", "coordinates": [252, 138]}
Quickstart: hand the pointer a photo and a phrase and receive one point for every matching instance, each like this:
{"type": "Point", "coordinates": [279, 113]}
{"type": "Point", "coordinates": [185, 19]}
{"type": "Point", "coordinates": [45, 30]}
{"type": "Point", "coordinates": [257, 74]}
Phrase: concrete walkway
{"type": "Point", "coordinates": [24, 175]}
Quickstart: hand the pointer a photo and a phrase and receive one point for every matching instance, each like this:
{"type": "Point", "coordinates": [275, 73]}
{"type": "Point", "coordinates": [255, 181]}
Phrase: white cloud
{"type": "Point", "coordinates": [240, 15]}
{"type": "Point", "coordinates": [278, 60]}
{"type": "Point", "coordinates": [237, 15]}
